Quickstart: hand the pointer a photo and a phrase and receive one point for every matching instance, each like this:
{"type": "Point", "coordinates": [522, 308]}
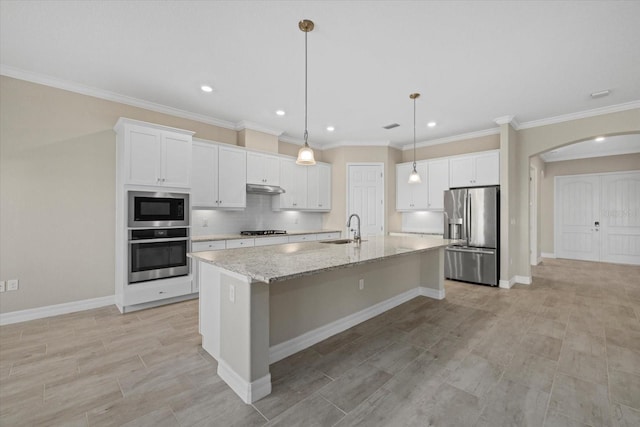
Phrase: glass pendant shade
{"type": "Point", "coordinates": [414, 176]}
{"type": "Point", "coordinates": [305, 156]}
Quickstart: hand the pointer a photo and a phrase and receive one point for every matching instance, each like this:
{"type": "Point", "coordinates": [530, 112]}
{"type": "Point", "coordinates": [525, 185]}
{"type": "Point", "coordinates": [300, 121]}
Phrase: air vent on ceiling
{"type": "Point", "coordinates": [391, 126]}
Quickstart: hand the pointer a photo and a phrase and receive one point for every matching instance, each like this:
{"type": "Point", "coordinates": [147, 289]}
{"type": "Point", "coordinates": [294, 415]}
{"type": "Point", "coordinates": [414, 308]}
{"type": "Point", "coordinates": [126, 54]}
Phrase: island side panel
{"type": "Point", "coordinates": [432, 274]}
{"type": "Point", "coordinates": [302, 305]}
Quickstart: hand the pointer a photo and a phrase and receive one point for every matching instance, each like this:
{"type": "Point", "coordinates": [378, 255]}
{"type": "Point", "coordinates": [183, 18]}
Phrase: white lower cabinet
{"type": "Point", "coordinates": [210, 245]}
{"type": "Point", "coordinates": [303, 238]}
{"type": "Point", "coordinates": [275, 240]}
{"type": "Point", "coordinates": [240, 243]}
{"type": "Point", "coordinates": [328, 236]}
{"type": "Point", "coordinates": [138, 293]}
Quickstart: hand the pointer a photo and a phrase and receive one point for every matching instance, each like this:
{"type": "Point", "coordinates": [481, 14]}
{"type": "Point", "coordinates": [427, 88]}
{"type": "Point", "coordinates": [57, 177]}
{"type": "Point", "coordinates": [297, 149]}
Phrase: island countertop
{"type": "Point", "coordinates": [276, 263]}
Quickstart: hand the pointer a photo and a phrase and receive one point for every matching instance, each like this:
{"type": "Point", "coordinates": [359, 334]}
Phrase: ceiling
{"type": "Point", "coordinates": [472, 61]}
{"type": "Point", "coordinates": [609, 146]}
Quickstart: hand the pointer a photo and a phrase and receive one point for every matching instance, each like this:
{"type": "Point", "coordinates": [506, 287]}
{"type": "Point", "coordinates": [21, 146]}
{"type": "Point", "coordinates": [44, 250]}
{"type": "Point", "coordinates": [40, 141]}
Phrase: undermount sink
{"type": "Point", "coordinates": [340, 241]}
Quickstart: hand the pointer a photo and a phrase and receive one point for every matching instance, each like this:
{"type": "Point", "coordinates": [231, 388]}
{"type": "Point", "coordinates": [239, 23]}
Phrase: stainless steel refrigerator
{"type": "Point", "coordinates": [472, 217]}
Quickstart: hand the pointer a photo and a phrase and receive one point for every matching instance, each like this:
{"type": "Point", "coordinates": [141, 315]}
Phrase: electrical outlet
{"type": "Point", "coordinates": [232, 293]}
{"type": "Point", "coordinates": [12, 285]}
{"type": "Point", "coordinates": [361, 284]}
{"type": "Point", "coordinates": [2, 288]}
{"type": "Point", "coordinates": [205, 222]}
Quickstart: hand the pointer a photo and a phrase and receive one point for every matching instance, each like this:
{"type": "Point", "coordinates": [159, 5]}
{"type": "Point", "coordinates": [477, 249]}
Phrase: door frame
{"type": "Point", "coordinates": [533, 215]}
{"type": "Point", "coordinates": [348, 194]}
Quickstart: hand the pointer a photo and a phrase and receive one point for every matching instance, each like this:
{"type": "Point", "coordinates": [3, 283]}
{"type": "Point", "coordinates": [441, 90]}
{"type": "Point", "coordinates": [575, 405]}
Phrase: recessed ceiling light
{"type": "Point", "coordinates": [431, 124]}
{"type": "Point", "coordinates": [280, 112]}
{"type": "Point", "coordinates": [600, 139]}
{"type": "Point", "coordinates": [206, 88]}
{"type": "Point", "coordinates": [330, 128]}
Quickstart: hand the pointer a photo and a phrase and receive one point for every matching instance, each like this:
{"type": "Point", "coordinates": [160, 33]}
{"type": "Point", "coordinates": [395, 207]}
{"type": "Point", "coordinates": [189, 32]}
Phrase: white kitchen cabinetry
{"type": "Point", "coordinates": [240, 243]}
{"type": "Point", "coordinates": [411, 196]}
{"type": "Point", "coordinates": [328, 236]}
{"type": "Point", "coordinates": [219, 176]}
{"type": "Point", "coordinates": [155, 155]}
{"type": "Point", "coordinates": [303, 238]}
{"type": "Point", "coordinates": [437, 182]}
{"type": "Point", "coordinates": [319, 187]}
{"type": "Point", "coordinates": [211, 245]}
{"type": "Point", "coordinates": [273, 240]}
{"type": "Point", "coordinates": [293, 178]}
{"type": "Point", "coordinates": [475, 169]}
{"type": "Point", "coordinates": [263, 169]}
{"type": "Point", "coordinates": [307, 188]}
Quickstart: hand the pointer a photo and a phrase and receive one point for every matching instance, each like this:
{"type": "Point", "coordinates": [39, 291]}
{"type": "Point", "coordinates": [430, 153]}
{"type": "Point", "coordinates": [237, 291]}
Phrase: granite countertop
{"type": "Point", "coordinates": [282, 262]}
{"type": "Point", "coordinates": [235, 236]}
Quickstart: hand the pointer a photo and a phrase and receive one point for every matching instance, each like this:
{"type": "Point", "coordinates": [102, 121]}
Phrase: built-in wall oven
{"type": "Point", "coordinates": [158, 235]}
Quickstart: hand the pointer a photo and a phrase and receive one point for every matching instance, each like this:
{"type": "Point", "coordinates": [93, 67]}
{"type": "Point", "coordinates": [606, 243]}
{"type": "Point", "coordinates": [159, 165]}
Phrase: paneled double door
{"type": "Point", "coordinates": [598, 217]}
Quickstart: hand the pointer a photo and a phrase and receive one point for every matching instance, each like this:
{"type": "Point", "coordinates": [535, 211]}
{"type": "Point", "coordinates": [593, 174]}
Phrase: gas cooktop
{"type": "Point", "coordinates": [261, 232]}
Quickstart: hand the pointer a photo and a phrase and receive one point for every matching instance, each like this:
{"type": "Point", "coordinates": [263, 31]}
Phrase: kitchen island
{"type": "Point", "coordinates": [259, 305]}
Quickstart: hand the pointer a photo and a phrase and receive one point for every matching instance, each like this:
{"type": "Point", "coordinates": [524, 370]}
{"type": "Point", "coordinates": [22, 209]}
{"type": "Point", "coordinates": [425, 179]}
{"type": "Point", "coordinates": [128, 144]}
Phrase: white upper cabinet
{"type": "Point", "coordinates": [437, 182]}
{"type": "Point", "coordinates": [219, 176]}
{"type": "Point", "coordinates": [154, 156]}
{"type": "Point", "coordinates": [411, 196]}
{"type": "Point", "coordinates": [475, 169]}
{"type": "Point", "coordinates": [319, 187]}
{"type": "Point", "coordinates": [263, 169]}
{"type": "Point", "coordinates": [306, 187]}
{"type": "Point", "coordinates": [293, 178]}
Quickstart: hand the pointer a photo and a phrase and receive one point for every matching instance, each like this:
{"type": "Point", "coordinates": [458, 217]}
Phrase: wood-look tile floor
{"type": "Point", "coordinates": [564, 351]}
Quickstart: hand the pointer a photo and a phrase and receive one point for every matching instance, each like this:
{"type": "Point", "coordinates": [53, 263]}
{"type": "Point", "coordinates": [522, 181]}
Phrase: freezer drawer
{"type": "Point", "coordinates": [472, 265]}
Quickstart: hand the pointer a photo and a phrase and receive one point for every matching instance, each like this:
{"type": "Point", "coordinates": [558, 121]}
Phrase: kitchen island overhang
{"type": "Point", "coordinates": [260, 305]}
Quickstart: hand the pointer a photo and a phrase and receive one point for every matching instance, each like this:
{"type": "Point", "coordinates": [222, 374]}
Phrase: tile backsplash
{"type": "Point", "coordinates": [425, 222]}
{"type": "Point", "coordinates": [258, 215]}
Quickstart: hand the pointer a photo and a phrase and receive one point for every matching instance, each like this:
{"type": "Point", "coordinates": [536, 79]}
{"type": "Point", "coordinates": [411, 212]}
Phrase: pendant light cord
{"type": "Point", "coordinates": [414, 134]}
{"type": "Point", "coordinates": [306, 133]}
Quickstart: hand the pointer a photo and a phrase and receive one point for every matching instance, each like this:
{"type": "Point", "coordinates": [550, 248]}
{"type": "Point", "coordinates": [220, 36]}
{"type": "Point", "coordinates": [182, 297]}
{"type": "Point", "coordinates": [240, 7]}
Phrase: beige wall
{"type": "Point", "coordinates": [57, 187]}
{"type": "Point", "coordinates": [339, 157]}
{"type": "Point", "coordinates": [626, 162]}
{"type": "Point", "coordinates": [471, 145]}
{"type": "Point", "coordinates": [260, 141]}
{"type": "Point", "coordinates": [539, 166]}
{"type": "Point", "coordinates": [540, 139]}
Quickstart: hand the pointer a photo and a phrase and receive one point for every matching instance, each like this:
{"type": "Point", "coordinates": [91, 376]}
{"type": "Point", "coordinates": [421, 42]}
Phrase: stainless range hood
{"type": "Point", "coordinates": [264, 189]}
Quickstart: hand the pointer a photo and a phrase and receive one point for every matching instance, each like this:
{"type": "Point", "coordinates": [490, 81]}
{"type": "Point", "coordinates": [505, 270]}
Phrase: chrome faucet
{"type": "Point", "coordinates": [356, 232]}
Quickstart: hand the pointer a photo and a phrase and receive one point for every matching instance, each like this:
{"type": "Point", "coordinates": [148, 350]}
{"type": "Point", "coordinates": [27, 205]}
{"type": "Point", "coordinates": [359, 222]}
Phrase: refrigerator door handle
{"type": "Point", "coordinates": [473, 251]}
{"type": "Point", "coordinates": [468, 218]}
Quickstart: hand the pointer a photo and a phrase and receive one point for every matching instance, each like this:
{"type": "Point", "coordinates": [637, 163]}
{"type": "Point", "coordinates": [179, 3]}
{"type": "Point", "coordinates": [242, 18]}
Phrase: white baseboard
{"type": "Point", "coordinates": [507, 284]}
{"type": "Point", "coordinates": [524, 280]}
{"type": "Point", "coordinates": [299, 343]}
{"type": "Point", "coordinates": [431, 293]}
{"type": "Point", "coordinates": [249, 392]}
{"type": "Point", "coordinates": [55, 310]}
{"type": "Point", "coordinates": [548, 255]}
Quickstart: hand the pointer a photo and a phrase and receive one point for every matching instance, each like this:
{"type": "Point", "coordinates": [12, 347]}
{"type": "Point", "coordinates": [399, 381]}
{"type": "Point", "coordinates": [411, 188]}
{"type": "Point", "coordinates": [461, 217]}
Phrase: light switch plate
{"type": "Point", "coordinates": [2, 284]}
{"type": "Point", "coordinates": [12, 285]}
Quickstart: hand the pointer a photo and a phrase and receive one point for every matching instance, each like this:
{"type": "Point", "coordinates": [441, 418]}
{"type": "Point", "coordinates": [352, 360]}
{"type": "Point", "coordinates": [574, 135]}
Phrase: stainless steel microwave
{"type": "Point", "coordinates": [149, 209]}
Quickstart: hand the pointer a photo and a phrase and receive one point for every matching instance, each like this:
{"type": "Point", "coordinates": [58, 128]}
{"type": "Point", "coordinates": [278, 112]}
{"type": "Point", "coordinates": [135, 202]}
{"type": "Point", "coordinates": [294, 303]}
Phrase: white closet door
{"type": "Point", "coordinates": [366, 198]}
{"type": "Point", "coordinates": [577, 211]}
{"type": "Point", "coordinates": [620, 218]}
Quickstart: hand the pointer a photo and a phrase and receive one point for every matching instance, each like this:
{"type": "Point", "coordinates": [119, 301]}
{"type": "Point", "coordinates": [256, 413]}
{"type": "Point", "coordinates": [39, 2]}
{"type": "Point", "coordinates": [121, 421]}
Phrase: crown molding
{"type": "Point", "coordinates": [54, 82]}
{"type": "Point", "coordinates": [508, 120]}
{"type": "Point", "coordinates": [581, 115]}
{"type": "Point", "coordinates": [461, 137]}
{"type": "Point", "coordinates": [242, 125]}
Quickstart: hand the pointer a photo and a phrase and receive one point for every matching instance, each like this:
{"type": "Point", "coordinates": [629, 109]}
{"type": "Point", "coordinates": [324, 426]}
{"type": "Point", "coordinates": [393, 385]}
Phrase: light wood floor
{"type": "Point", "coordinates": [564, 351]}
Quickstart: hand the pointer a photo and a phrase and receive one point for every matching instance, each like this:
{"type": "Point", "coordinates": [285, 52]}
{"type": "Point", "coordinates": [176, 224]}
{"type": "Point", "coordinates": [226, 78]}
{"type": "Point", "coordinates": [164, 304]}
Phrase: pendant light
{"type": "Point", "coordinates": [414, 176]}
{"type": "Point", "coordinates": [305, 154]}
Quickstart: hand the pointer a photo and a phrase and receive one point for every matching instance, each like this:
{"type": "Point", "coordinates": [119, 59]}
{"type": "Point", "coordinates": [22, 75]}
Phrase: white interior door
{"type": "Point", "coordinates": [577, 206]}
{"type": "Point", "coordinates": [620, 218]}
{"type": "Point", "coordinates": [366, 197]}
